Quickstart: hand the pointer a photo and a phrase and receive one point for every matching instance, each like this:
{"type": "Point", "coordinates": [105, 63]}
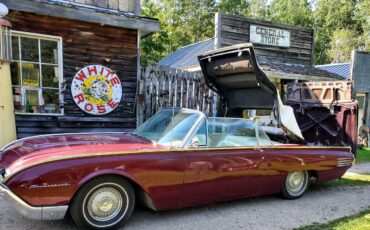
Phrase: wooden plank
{"type": "Point", "coordinates": [137, 7]}
{"type": "Point", "coordinates": [96, 119]}
{"type": "Point", "coordinates": [34, 118]}
{"type": "Point", "coordinates": [267, 23]}
{"type": "Point", "coordinates": [100, 3]}
{"type": "Point", "coordinates": [131, 4]}
{"type": "Point", "coordinates": [123, 5]}
{"type": "Point", "coordinates": [145, 24]}
{"type": "Point", "coordinates": [37, 124]}
{"type": "Point", "coordinates": [218, 28]}
{"type": "Point", "coordinates": [96, 125]}
{"type": "Point", "coordinates": [79, 1]}
{"type": "Point", "coordinates": [113, 4]}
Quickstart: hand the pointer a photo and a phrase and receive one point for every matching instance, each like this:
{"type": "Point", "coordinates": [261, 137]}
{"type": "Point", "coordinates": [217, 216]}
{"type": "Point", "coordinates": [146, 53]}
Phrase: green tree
{"type": "Point", "coordinates": [197, 17]}
{"type": "Point", "coordinates": [259, 9]}
{"type": "Point", "coordinates": [294, 12]}
{"type": "Point", "coordinates": [331, 15]}
{"type": "Point", "coordinates": [234, 7]}
{"type": "Point", "coordinates": [342, 43]}
{"type": "Point", "coordinates": [363, 17]}
{"type": "Point", "coordinates": [182, 22]}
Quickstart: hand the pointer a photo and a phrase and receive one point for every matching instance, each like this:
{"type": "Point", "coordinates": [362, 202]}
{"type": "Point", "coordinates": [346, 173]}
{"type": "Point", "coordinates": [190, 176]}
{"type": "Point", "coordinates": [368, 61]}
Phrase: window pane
{"type": "Point", "coordinates": [15, 48]}
{"type": "Point", "coordinates": [49, 76]}
{"type": "Point", "coordinates": [16, 73]}
{"type": "Point", "coordinates": [32, 101]}
{"type": "Point", "coordinates": [49, 52]}
{"type": "Point", "coordinates": [31, 75]}
{"type": "Point", "coordinates": [168, 127]}
{"type": "Point", "coordinates": [17, 98]}
{"type": "Point", "coordinates": [229, 132]}
{"type": "Point", "coordinates": [51, 100]}
{"type": "Point", "coordinates": [263, 139]}
{"type": "Point", "coordinates": [29, 48]}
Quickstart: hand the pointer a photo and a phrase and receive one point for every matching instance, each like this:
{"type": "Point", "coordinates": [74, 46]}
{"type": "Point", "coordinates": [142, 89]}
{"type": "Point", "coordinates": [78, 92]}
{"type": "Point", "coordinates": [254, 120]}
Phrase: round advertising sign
{"type": "Point", "coordinates": [96, 90]}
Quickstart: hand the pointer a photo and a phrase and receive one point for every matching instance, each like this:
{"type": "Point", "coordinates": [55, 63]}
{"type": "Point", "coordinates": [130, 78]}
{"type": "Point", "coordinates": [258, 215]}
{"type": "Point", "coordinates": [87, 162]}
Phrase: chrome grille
{"type": "Point", "coordinates": [343, 162]}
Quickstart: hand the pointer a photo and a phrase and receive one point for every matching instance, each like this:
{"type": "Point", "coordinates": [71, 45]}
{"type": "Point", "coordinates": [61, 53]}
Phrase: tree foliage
{"type": "Point", "coordinates": [294, 12]}
{"type": "Point", "coordinates": [340, 25]}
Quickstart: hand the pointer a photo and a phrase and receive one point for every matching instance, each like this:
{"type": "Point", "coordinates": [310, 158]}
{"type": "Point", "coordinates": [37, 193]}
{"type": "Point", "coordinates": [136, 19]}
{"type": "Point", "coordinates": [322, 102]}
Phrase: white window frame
{"type": "Point", "coordinates": [59, 41]}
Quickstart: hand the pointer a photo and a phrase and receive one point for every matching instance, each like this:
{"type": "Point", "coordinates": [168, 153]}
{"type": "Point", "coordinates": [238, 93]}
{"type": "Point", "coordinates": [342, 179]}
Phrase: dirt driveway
{"type": "Point", "coordinates": [269, 212]}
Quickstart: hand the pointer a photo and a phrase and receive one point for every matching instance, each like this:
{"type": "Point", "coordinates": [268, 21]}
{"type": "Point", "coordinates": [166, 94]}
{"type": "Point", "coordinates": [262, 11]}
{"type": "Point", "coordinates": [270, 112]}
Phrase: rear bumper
{"type": "Point", "coordinates": [30, 212]}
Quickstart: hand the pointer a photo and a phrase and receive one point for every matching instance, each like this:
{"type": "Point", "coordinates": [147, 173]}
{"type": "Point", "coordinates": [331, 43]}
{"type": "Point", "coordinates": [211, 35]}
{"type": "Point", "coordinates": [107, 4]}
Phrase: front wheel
{"type": "Point", "coordinates": [295, 185]}
{"type": "Point", "coordinates": [103, 203]}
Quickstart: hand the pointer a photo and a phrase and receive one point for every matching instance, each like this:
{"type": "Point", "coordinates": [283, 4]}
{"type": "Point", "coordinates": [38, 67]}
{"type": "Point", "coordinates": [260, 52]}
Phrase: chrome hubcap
{"type": "Point", "coordinates": [296, 182]}
{"type": "Point", "coordinates": [104, 204]}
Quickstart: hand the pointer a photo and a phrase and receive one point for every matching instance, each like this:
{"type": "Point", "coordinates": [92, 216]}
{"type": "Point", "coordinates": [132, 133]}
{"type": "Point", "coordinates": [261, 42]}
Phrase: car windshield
{"type": "Point", "coordinates": [169, 126]}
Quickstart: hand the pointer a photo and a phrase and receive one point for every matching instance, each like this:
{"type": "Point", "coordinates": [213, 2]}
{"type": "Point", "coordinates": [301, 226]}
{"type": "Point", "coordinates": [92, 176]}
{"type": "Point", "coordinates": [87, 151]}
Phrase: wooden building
{"type": "Point", "coordinates": [75, 64]}
{"type": "Point", "coordinates": [284, 52]}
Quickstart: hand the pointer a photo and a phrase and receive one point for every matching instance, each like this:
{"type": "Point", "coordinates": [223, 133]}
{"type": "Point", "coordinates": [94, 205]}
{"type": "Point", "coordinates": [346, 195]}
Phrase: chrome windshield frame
{"type": "Point", "coordinates": [256, 127]}
{"type": "Point", "coordinates": [189, 133]}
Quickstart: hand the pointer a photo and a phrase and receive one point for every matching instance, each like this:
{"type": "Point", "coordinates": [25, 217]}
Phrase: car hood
{"type": "Point", "coordinates": [33, 150]}
{"type": "Point", "coordinates": [234, 74]}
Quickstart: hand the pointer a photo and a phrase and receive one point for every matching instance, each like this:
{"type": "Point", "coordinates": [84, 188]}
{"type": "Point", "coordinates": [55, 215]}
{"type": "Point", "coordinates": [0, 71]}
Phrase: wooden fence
{"type": "Point", "coordinates": [166, 88]}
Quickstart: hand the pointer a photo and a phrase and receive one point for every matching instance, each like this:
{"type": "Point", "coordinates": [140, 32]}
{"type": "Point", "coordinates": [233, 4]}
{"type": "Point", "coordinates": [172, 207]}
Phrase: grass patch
{"type": "Point", "coordinates": [363, 155]}
{"type": "Point", "coordinates": [360, 221]}
{"type": "Point", "coordinates": [349, 179]}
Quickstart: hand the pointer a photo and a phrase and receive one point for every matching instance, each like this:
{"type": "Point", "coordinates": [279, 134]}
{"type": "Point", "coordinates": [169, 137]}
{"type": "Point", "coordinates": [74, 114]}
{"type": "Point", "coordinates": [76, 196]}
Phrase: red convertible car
{"type": "Point", "coordinates": [178, 158]}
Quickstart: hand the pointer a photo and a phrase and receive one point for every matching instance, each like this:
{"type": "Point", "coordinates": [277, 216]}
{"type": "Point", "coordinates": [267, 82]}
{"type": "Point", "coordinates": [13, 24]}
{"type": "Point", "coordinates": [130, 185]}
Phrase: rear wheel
{"type": "Point", "coordinates": [103, 203]}
{"type": "Point", "coordinates": [295, 184]}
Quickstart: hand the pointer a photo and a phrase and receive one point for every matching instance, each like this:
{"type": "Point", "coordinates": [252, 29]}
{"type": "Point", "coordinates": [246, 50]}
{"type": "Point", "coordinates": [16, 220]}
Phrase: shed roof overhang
{"type": "Point", "coordinates": [73, 11]}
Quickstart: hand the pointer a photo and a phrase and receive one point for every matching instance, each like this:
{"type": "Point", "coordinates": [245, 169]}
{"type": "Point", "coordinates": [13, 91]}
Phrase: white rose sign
{"type": "Point", "coordinates": [96, 90]}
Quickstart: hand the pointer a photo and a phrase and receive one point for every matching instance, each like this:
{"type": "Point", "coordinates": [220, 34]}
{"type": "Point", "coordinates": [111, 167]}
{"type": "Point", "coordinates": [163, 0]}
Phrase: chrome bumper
{"type": "Point", "coordinates": [30, 212]}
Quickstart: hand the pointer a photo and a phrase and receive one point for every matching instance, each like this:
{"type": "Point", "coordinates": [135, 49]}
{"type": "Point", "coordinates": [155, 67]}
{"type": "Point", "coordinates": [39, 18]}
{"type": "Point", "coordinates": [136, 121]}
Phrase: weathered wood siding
{"type": "Point", "coordinates": [163, 87]}
{"type": "Point", "coordinates": [360, 74]}
{"type": "Point", "coordinates": [84, 44]}
{"type": "Point", "coordinates": [231, 30]}
{"type": "Point", "coordinates": [132, 6]}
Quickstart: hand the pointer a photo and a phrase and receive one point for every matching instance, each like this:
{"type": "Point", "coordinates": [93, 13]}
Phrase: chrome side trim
{"type": "Point", "coordinates": [30, 212]}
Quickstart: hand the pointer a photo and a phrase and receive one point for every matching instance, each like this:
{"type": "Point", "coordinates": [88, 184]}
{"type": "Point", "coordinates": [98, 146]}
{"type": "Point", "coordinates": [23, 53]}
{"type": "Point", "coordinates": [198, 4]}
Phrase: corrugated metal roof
{"type": "Point", "coordinates": [186, 57]}
{"type": "Point", "coordinates": [341, 69]}
{"type": "Point", "coordinates": [299, 69]}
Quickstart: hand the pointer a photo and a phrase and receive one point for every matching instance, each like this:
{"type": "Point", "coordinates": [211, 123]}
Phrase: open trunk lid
{"type": "Point", "coordinates": [233, 73]}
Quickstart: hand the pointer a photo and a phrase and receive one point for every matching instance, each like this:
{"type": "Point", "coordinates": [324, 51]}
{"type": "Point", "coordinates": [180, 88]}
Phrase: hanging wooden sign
{"type": "Point", "coordinates": [96, 90]}
{"type": "Point", "coordinates": [269, 36]}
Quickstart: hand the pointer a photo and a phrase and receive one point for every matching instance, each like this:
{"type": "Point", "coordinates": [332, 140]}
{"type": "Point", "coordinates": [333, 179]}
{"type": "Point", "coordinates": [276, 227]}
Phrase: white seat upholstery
{"type": "Point", "coordinates": [232, 140]}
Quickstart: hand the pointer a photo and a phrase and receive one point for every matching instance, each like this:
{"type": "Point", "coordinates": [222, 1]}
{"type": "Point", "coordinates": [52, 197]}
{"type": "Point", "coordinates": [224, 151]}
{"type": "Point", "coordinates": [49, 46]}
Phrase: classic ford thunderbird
{"type": "Point", "coordinates": [178, 158]}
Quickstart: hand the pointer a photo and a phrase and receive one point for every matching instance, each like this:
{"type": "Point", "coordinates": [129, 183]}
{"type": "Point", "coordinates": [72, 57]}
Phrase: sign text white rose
{"type": "Point", "coordinates": [96, 90]}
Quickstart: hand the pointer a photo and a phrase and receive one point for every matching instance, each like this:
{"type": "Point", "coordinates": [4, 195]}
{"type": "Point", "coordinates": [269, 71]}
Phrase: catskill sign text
{"type": "Point", "coordinates": [96, 90]}
{"type": "Point", "coordinates": [269, 36]}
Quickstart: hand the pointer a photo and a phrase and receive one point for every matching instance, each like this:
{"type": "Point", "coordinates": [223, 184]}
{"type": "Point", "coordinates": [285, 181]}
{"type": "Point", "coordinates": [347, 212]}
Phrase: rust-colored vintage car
{"type": "Point", "coordinates": [178, 158]}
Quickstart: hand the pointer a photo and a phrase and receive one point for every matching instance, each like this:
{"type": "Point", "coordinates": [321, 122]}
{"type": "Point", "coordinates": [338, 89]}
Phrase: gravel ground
{"type": "Point", "coordinates": [319, 205]}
